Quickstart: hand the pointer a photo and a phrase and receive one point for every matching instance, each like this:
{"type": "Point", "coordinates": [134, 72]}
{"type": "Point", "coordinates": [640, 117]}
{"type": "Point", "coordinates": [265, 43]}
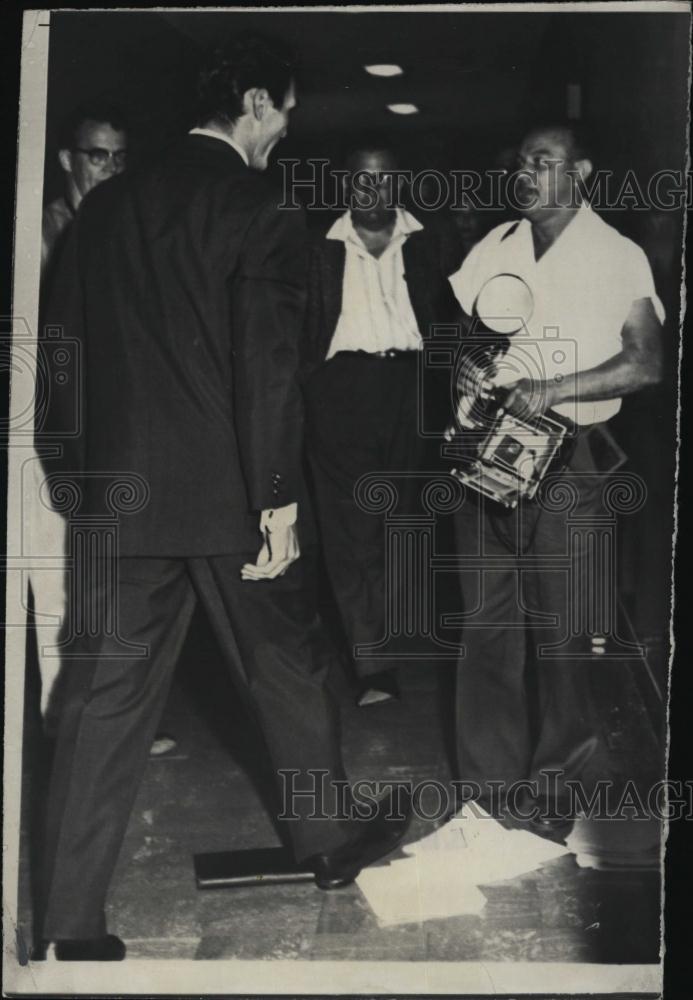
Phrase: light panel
{"type": "Point", "coordinates": [403, 109]}
{"type": "Point", "coordinates": [384, 69]}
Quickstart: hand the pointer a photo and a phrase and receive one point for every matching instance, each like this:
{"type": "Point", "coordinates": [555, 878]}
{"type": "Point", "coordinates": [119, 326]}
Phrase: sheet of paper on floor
{"type": "Point", "coordinates": [441, 873]}
{"type": "Point", "coordinates": [419, 888]}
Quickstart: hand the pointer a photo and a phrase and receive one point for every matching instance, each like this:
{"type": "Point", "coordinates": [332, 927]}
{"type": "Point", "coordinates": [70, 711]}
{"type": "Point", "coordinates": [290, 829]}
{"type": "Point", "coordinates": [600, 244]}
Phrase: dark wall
{"type": "Point", "coordinates": [137, 61]}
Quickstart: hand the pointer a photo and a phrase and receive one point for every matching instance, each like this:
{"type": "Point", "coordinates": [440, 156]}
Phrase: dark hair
{"type": "Point", "coordinates": [367, 142]}
{"type": "Point", "coordinates": [237, 66]}
{"type": "Point", "coordinates": [581, 141]}
{"type": "Point", "coordinates": [97, 111]}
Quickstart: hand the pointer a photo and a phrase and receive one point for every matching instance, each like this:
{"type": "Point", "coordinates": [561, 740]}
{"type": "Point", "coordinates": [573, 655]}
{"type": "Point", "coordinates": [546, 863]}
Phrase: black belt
{"type": "Point", "coordinates": [392, 354]}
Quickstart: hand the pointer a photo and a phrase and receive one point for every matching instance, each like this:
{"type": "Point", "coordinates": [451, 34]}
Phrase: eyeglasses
{"type": "Point", "coordinates": [99, 157]}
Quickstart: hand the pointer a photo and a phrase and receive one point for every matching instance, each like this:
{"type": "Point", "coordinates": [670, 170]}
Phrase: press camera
{"type": "Point", "coordinates": [497, 453]}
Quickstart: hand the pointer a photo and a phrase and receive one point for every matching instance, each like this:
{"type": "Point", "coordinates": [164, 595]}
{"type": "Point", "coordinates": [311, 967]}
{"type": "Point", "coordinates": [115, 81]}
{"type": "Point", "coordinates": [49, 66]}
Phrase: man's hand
{"type": "Point", "coordinates": [530, 398]}
{"type": "Point", "coordinates": [279, 549]}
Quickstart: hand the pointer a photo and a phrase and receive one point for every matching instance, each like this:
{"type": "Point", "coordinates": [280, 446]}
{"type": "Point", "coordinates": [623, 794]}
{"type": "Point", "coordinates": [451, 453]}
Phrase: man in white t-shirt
{"type": "Point", "coordinates": [592, 336]}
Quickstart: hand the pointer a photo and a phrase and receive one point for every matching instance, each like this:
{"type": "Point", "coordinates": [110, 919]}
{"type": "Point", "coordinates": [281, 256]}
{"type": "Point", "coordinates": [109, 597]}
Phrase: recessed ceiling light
{"type": "Point", "coordinates": [403, 109]}
{"type": "Point", "coordinates": [384, 69]}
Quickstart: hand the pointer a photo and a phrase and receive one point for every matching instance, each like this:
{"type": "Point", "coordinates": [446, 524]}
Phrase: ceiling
{"type": "Point", "coordinates": [454, 63]}
{"type": "Point", "coordinates": [477, 78]}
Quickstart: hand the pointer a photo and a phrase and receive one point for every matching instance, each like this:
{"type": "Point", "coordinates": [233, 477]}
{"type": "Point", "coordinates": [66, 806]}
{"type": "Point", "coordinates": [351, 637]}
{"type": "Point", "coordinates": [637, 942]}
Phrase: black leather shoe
{"type": "Point", "coordinates": [103, 949]}
{"type": "Point", "coordinates": [380, 836]}
{"type": "Point", "coordinates": [557, 829]}
{"type": "Point", "coordinates": [39, 951]}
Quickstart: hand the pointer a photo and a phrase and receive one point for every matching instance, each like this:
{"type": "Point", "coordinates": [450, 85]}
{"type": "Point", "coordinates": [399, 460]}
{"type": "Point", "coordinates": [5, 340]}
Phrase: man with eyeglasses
{"type": "Point", "coordinates": [92, 147]}
{"type": "Point", "coordinates": [590, 335]}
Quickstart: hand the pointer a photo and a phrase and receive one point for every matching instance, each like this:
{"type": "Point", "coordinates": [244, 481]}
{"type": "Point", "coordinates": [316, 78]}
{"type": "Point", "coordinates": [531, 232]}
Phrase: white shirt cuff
{"type": "Point", "coordinates": [278, 517]}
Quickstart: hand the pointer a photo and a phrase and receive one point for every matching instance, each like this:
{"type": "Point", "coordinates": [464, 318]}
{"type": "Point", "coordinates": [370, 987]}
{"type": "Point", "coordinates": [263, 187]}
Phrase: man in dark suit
{"type": "Point", "coordinates": [378, 283]}
{"type": "Point", "coordinates": [184, 284]}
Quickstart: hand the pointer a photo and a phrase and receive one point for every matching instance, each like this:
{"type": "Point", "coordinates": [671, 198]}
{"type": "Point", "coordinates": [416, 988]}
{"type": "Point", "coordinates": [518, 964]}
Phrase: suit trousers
{"type": "Point", "coordinates": [273, 642]}
{"type": "Point", "coordinates": [362, 418]}
{"type": "Point", "coordinates": [524, 710]}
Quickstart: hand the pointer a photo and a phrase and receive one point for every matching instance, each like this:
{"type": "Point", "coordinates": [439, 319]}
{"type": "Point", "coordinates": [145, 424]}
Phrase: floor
{"type": "Point", "coordinates": [204, 796]}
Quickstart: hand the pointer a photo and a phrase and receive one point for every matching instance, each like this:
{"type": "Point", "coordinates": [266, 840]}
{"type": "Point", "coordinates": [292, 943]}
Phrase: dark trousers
{"type": "Point", "coordinates": [522, 711]}
{"type": "Point", "coordinates": [362, 418]}
{"type": "Point", "coordinates": [273, 642]}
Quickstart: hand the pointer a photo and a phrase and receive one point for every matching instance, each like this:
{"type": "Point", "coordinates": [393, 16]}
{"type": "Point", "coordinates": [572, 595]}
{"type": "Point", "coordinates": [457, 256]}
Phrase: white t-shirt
{"type": "Point", "coordinates": [583, 287]}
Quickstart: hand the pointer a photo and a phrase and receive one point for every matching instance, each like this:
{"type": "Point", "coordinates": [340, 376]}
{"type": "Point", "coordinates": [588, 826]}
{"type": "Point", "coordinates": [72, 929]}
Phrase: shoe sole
{"type": "Point", "coordinates": [377, 854]}
{"type": "Point", "coordinates": [329, 885]}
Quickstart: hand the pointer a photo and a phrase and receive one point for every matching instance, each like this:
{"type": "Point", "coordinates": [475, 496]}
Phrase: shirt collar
{"type": "Point", "coordinates": [214, 134]}
{"type": "Point", "coordinates": [584, 217]}
{"type": "Point", "coordinates": [343, 228]}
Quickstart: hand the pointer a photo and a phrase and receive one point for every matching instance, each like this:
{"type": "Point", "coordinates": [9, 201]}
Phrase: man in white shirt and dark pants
{"type": "Point", "coordinates": [595, 328]}
{"type": "Point", "coordinates": [378, 281]}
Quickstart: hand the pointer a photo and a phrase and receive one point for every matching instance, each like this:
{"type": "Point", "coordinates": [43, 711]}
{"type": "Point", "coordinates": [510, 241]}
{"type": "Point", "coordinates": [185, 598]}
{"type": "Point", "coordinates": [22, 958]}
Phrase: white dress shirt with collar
{"type": "Point", "coordinates": [583, 286]}
{"type": "Point", "coordinates": [376, 314]}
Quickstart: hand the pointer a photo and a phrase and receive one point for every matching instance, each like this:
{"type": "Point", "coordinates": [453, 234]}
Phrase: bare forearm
{"type": "Point", "coordinates": [637, 365]}
{"type": "Point", "coordinates": [619, 376]}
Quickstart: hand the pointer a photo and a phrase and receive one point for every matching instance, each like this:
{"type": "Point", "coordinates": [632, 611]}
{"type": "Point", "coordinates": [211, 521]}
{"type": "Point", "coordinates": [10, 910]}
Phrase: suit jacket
{"type": "Point", "coordinates": [184, 286]}
{"type": "Point", "coordinates": [428, 261]}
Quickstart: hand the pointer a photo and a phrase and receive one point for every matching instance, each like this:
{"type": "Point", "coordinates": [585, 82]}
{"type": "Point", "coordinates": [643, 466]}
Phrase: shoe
{"type": "Point", "coordinates": [379, 688]}
{"type": "Point", "coordinates": [39, 951]}
{"type": "Point", "coordinates": [555, 819]}
{"type": "Point", "coordinates": [556, 829]}
{"type": "Point", "coordinates": [102, 949]}
{"type": "Point", "coordinates": [162, 744]}
{"type": "Point", "coordinates": [380, 836]}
